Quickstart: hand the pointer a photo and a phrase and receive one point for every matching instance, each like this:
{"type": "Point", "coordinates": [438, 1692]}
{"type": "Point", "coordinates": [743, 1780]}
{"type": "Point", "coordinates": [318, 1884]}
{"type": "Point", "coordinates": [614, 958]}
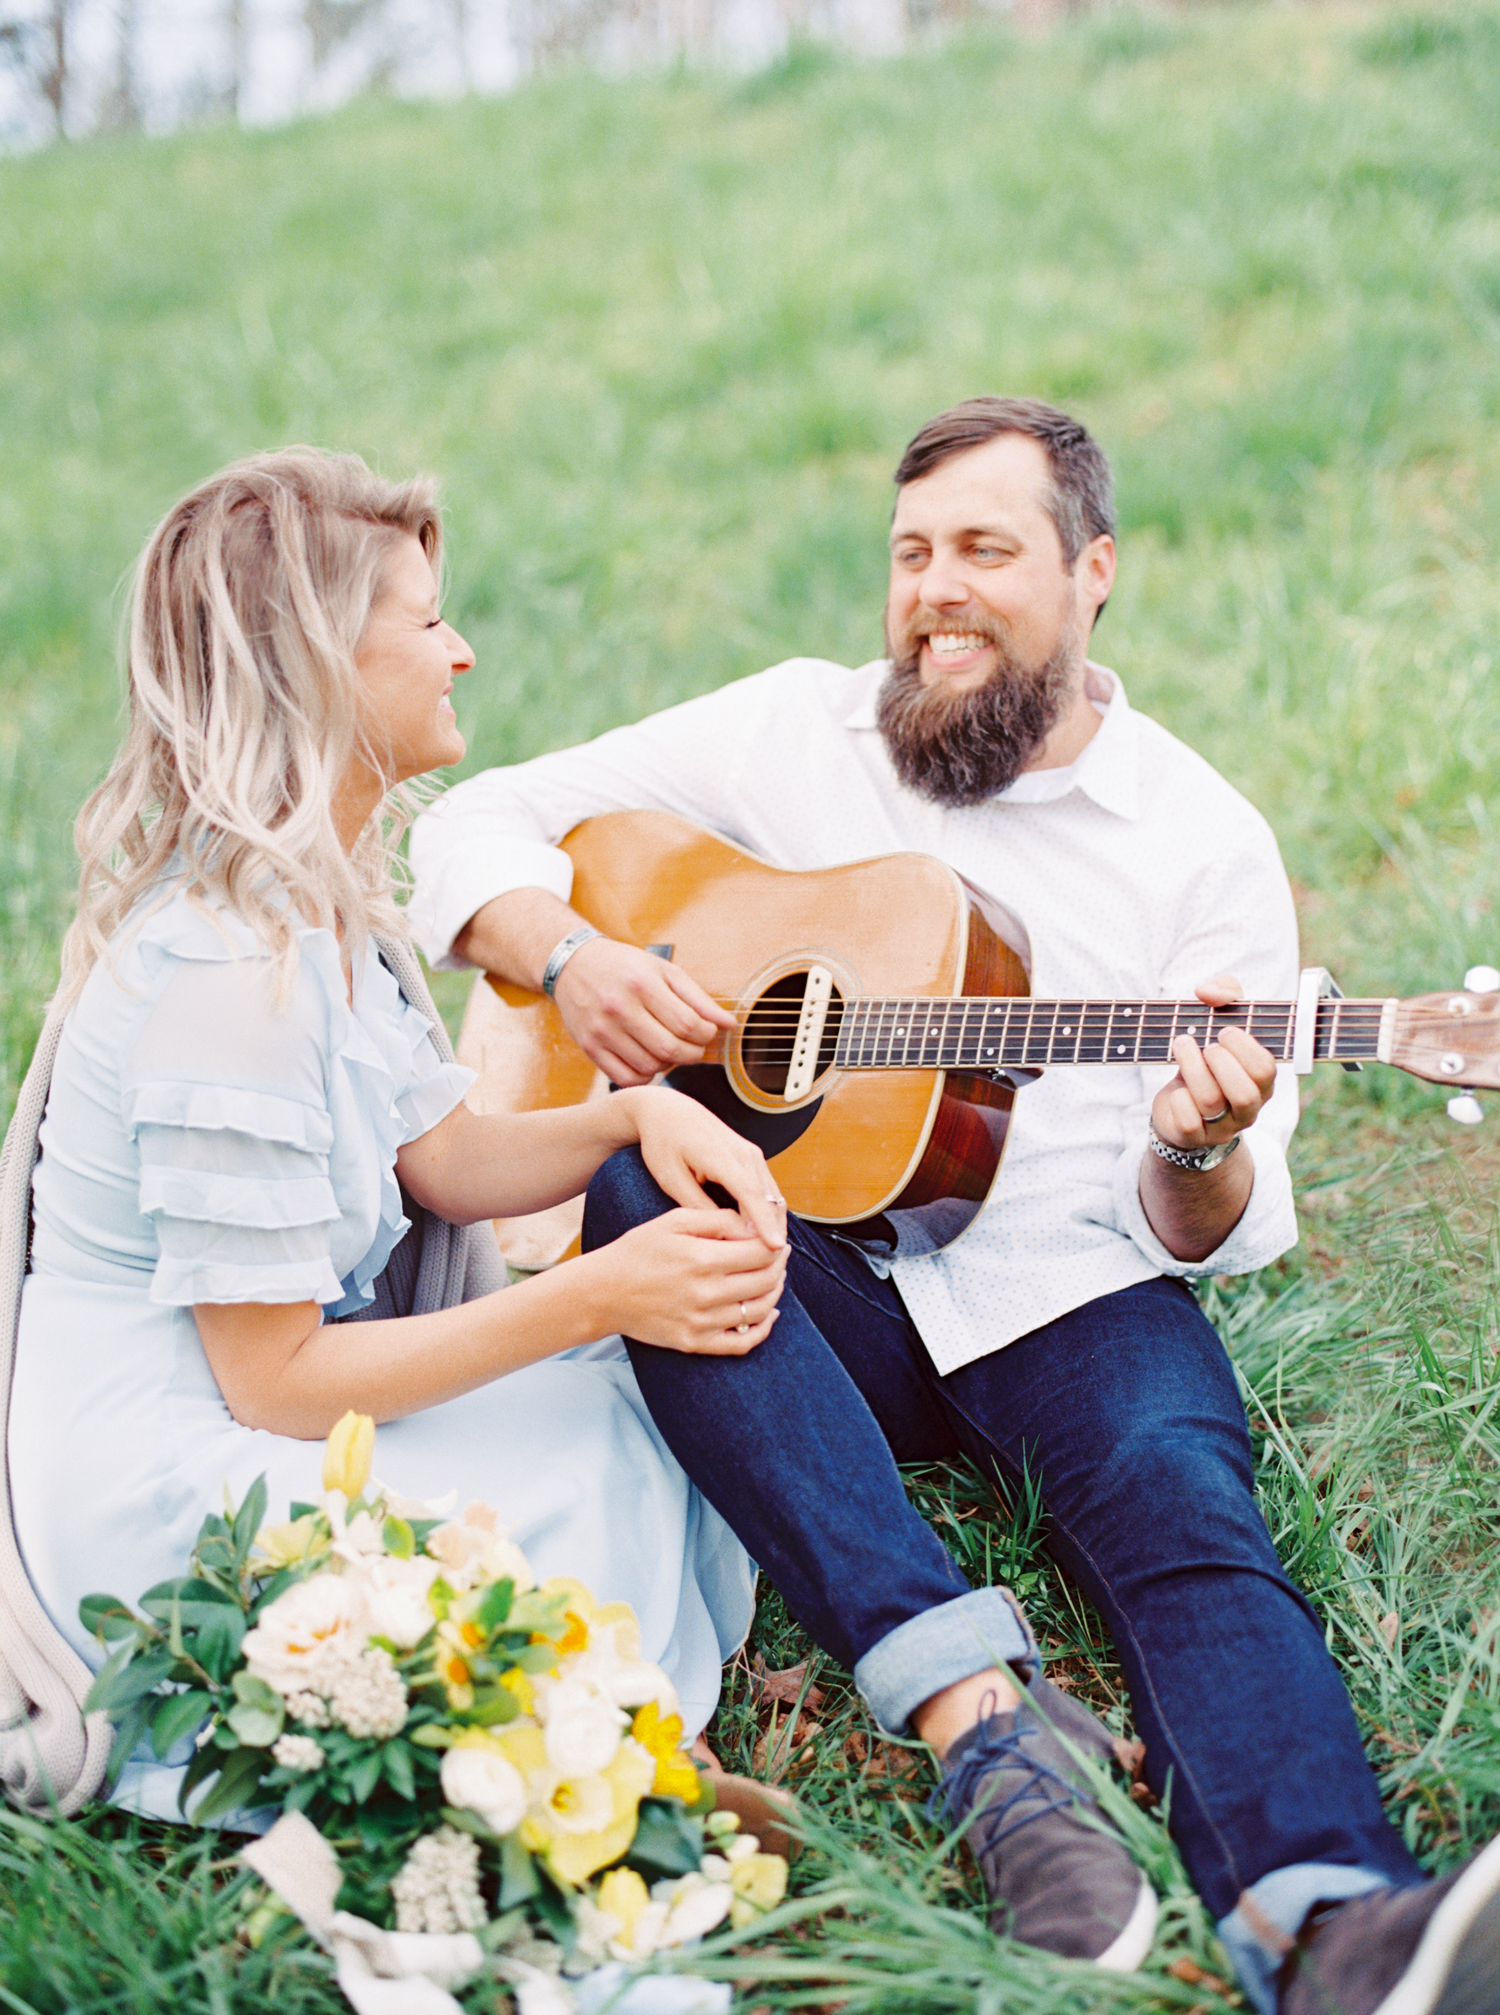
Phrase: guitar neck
{"type": "Point", "coordinates": [997, 1034]}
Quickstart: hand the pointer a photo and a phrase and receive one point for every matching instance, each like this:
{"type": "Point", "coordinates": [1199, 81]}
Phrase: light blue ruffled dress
{"type": "Point", "coordinates": [206, 1141]}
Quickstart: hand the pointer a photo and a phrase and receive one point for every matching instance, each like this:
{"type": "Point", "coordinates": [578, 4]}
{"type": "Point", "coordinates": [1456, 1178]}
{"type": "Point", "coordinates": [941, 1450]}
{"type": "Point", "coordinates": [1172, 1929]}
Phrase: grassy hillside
{"type": "Point", "coordinates": [663, 339]}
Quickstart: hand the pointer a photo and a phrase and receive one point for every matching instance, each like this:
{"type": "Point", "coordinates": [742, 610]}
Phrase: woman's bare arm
{"type": "Point", "coordinates": [472, 1166]}
{"type": "Point", "coordinates": [685, 1281]}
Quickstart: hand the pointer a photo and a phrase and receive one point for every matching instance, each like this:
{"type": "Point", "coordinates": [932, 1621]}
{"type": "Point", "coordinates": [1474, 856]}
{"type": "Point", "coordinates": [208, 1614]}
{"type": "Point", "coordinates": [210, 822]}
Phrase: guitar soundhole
{"type": "Point", "coordinates": [771, 1030]}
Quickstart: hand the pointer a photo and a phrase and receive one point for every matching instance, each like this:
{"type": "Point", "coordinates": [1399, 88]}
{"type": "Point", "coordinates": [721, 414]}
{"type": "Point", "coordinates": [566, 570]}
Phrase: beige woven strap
{"type": "Point", "coordinates": [51, 1758]}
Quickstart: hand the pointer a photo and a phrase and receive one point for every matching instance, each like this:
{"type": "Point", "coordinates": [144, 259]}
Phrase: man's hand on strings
{"type": "Point", "coordinates": [1219, 1088]}
{"type": "Point", "coordinates": [635, 1015]}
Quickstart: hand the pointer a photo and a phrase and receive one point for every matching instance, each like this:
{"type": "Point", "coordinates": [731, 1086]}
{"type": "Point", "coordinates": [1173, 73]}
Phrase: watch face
{"type": "Point", "coordinates": [1217, 1154]}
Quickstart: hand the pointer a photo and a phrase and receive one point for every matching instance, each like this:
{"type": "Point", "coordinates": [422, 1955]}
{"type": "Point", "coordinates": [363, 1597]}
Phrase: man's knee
{"type": "Point", "coordinates": [622, 1194]}
{"type": "Point", "coordinates": [1181, 1492]}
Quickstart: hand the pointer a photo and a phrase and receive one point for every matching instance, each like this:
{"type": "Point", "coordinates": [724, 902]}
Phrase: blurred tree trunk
{"type": "Point", "coordinates": [54, 77]}
{"type": "Point", "coordinates": [238, 27]}
{"type": "Point", "coordinates": [121, 111]}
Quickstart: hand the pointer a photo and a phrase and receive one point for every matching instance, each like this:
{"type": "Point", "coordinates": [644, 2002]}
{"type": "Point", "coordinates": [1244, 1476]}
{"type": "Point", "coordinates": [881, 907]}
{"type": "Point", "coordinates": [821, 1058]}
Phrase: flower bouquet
{"type": "Point", "coordinates": [485, 1754]}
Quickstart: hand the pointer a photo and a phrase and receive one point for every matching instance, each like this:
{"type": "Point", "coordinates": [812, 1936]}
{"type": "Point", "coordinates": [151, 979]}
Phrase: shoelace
{"type": "Point", "coordinates": [999, 1749]}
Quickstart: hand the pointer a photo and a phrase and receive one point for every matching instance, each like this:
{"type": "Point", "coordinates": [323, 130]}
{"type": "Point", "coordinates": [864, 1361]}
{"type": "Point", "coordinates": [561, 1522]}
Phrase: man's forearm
{"type": "Point", "coordinates": [1193, 1211]}
{"type": "Point", "coordinates": [514, 935]}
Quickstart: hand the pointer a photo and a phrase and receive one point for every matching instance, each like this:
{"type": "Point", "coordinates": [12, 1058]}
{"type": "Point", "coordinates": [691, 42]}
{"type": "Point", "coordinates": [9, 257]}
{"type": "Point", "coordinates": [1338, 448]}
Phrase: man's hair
{"type": "Point", "coordinates": [1082, 504]}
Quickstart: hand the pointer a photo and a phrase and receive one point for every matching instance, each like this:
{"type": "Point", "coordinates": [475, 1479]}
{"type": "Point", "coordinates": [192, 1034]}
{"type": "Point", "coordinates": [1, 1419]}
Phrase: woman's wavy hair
{"type": "Point", "coordinates": [248, 605]}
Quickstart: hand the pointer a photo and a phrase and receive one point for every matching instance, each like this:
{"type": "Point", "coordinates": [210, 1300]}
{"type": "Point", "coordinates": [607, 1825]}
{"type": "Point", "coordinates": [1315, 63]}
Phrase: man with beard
{"type": "Point", "coordinates": [1056, 1342]}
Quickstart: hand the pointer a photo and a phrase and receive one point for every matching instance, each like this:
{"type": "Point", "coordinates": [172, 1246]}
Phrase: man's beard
{"type": "Point", "coordinates": [959, 748]}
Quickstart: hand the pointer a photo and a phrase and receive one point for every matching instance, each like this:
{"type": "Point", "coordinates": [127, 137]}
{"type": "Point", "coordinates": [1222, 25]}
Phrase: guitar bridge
{"type": "Point", "coordinates": [809, 1037]}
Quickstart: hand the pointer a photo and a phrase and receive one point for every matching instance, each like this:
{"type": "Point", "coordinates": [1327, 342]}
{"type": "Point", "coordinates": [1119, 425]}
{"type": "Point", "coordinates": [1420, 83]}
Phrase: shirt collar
{"type": "Point", "coordinates": [1108, 771]}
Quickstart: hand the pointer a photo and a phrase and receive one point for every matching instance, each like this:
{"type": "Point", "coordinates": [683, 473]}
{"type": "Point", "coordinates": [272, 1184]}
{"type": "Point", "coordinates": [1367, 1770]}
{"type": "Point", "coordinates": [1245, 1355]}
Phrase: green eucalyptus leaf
{"type": "Point", "coordinates": [491, 1709]}
{"type": "Point", "coordinates": [398, 1538]}
{"type": "Point", "coordinates": [182, 1714]}
{"type": "Point", "coordinates": [432, 1735]}
{"type": "Point", "coordinates": [395, 1760]}
{"type": "Point", "coordinates": [252, 1691]}
{"type": "Point", "coordinates": [234, 1788]}
{"type": "Point", "coordinates": [129, 1729]}
{"type": "Point", "coordinates": [495, 1605]}
{"type": "Point", "coordinates": [256, 1727]}
{"type": "Point", "coordinates": [249, 1519]}
{"type": "Point", "coordinates": [218, 1641]}
{"type": "Point", "coordinates": [364, 1775]}
{"type": "Point", "coordinates": [666, 1841]}
{"type": "Point", "coordinates": [536, 1657]}
{"type": "Point", "coordinates": [519, 1881]}
{"type": "Point", "coordinates": [133, 1681]}
{"type": "Point", "coordinates": [106, 1616]}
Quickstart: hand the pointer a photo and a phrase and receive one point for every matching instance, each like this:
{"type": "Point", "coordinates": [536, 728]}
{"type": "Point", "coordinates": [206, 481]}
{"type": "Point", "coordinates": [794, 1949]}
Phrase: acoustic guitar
{"type": "Point", "coordinates": [882, 1025]}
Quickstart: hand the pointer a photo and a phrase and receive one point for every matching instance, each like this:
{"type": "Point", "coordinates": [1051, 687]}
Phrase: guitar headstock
{"type": "Point", "coordinates": [1449, 1038]}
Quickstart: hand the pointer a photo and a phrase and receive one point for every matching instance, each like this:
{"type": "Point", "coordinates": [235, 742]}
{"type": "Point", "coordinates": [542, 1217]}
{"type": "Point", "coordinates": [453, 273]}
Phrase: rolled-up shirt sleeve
{"type": "Point", "coordinates": [499, 831]}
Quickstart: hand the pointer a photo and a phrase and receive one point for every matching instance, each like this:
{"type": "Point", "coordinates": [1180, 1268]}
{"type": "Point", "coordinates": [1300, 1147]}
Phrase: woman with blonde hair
{"type": "Point", "coordinates": [246, 1109]}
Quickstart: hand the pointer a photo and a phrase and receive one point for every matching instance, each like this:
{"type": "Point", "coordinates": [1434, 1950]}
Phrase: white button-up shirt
{"type": "Point", "coordinates": [1134, 873]}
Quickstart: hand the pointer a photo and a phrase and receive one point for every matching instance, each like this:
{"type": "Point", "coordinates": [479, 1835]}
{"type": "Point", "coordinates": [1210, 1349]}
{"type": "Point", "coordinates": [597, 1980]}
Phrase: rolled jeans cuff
{"type": "Point", "coordinates": [938, 1648]}
{"type": "Point", "coordinates": [1262, 1927]}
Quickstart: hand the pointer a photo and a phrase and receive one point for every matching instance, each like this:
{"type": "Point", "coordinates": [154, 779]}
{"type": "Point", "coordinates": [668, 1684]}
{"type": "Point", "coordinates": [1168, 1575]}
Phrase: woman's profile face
{"type": "Point", "coordinates": [407, 660]}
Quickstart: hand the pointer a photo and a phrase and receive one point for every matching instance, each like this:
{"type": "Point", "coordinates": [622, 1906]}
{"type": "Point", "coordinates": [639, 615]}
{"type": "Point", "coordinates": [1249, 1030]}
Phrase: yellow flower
{"type": "Point", "coordinates": [660, 1735]}
{"type": "Point", "coordinates": [285, 1545]}
{"type": "Point", "coordinates": [585, 1621]}
{"type": "Point", "coordinates": [453, 1665]}
{"type": "Point", "coordinates": [519, 1683]}
{"type": "Point", "coordinates": [346, 1459]}
{"type": "Point", "coordinates": [623, 1895]}
{"type": "Point", "coordinates": [759, 1883]}
{"type": "Point", "coordinates": [578, 1824]}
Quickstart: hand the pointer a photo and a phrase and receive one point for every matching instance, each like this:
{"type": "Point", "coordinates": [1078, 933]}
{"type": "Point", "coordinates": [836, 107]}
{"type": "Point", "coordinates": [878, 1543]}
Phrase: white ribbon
{"type": "Point", "coordinates": [410, 1972]}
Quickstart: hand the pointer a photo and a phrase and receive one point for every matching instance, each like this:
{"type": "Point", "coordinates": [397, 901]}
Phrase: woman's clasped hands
{"type": "Point", "coordinates": [704, 1278]}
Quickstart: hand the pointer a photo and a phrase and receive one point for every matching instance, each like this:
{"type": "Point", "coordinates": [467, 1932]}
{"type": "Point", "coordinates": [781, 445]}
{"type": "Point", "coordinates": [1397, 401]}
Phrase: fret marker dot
{"type": "Point", "coordinates": [1119, 1049]}
{"type": "Point", "coordinates": [1067, 1031]}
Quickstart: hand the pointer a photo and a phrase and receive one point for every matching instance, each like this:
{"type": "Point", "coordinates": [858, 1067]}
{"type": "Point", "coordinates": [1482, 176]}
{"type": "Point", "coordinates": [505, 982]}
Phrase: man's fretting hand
{"type": "Point", "coordinates": [1217, 1093]}
{"type": "Point", "coordinates": [633, 1014]}
{"type": "Point", "coordinates": [1218, 1090]}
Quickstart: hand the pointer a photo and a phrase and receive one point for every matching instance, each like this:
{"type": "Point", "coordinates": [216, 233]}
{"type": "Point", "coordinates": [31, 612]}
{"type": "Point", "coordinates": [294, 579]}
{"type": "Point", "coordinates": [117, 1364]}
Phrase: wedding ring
{"type": "Point", "coordinates": [743, 1325]}
{"type": "Point", "coordinates": [777, 1199]}
{"type": "Point", "coordinates": [1213, 1118]}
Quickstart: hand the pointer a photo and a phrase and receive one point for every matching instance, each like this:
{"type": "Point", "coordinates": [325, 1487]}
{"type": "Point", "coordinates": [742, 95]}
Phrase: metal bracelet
{"type": "Point", "coordinates": [1197, 1158]}
{"type": "Point", "coordinates": [561, 953]}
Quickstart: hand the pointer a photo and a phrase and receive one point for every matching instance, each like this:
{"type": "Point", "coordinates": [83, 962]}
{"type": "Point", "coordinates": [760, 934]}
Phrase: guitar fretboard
{"type": "Point", "coordinates": [984, 1034]}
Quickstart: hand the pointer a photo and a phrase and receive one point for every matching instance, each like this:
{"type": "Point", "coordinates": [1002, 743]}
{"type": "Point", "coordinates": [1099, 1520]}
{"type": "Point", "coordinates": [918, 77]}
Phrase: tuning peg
{"type": "Point", "coordinates": [1466, 1109]}
{"type": "Point", "coordinates": [1482, 980]}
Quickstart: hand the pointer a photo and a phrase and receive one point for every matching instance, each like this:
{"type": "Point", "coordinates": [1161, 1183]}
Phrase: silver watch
{"type": "Point", "coordinates": [1198, 1158]}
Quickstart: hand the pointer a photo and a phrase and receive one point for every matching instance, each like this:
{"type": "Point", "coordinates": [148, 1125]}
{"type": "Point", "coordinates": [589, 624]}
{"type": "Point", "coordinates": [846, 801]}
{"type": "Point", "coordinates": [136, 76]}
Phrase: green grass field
{"type": "Point", "coordinates": [663, 340]}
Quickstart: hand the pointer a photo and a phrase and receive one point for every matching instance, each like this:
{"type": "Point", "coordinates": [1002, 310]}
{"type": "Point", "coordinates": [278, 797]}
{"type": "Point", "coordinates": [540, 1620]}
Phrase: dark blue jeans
{"type": "Point", "coordinates": [1127, 1415]}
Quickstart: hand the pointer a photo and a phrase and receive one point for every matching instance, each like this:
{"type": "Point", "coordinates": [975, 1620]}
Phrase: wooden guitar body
{"type": "Point", "coordinates": [903, 1158]}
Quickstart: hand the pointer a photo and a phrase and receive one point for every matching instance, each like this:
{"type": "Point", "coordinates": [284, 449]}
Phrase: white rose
{"type": "Point", "coordinates": [303, 1638]}
{"type": "Point", "coordinates": [581, 1727]}
{"type": "Point", "coordinates": [395, 1593]}
{"type": "Point", "coordinates": [480, 1781]}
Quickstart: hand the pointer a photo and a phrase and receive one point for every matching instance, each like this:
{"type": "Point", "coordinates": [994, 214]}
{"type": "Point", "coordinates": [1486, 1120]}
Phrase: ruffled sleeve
{"type": "Point", "coordinates": [434, 1087]}
{"type": "Point", "coordinates": [225, 1095]}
